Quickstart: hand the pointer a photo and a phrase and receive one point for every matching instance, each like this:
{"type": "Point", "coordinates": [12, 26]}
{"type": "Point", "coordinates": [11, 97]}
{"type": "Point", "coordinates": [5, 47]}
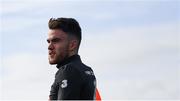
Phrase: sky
{"type": "Point", "coordinates": [132, 46]}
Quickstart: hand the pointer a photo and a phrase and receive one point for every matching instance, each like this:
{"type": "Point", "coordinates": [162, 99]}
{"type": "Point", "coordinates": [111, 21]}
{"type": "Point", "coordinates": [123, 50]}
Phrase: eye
{"type": "Point", "coordinates": [48, 41]}
{"type": "Point", "coordinates": [55, 40]}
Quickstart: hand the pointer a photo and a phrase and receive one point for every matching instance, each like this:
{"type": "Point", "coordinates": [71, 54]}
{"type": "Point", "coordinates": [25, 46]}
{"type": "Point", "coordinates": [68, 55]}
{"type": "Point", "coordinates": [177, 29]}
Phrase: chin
{"type": "Point", "coordinates": [52, 62]}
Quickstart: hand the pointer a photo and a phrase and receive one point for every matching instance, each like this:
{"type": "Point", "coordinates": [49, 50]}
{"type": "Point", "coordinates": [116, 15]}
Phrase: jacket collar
{"type": "Point", "coordinates": [73, 58]}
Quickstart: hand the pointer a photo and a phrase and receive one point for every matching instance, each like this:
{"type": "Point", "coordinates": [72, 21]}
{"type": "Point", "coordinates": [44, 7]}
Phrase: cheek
{"type": "Point", "coordinates": [62, 48]}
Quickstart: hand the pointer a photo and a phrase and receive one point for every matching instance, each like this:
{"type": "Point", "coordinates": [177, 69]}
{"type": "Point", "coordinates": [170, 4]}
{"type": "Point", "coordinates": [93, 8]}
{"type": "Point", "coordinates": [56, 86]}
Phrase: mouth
{"type": "Point", "coordinates": [51, 54]}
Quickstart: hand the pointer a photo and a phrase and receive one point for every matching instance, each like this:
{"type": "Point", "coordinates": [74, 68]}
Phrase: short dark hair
{"type": "Point", "coordinates": [68, 25]}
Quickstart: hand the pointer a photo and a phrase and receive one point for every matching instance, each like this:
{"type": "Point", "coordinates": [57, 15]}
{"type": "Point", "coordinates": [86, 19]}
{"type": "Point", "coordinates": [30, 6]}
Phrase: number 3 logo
{"type": "Point", "coordinates": [64, 84]}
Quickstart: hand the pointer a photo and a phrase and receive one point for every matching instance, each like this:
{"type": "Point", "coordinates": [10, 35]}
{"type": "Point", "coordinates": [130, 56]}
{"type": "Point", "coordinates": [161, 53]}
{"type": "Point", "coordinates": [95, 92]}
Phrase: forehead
{"type": "Point", "coordinates": [56, 33]}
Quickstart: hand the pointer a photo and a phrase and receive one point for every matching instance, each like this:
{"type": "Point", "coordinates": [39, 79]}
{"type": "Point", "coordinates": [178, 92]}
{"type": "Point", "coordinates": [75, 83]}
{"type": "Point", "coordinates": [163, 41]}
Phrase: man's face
{"type": "Point", "coordinates": [58, 45]}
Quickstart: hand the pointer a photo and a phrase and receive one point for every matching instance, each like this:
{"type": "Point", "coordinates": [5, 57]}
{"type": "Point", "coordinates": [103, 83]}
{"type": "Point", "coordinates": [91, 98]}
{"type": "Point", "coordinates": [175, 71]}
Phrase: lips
{"type": "Point", "coordinates": [51, 53]}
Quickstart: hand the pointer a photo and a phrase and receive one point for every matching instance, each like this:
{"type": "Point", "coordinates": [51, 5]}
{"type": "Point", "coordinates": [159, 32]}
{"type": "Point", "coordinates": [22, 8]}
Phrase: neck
{"type": "Point", "coordinates": [67, 60]}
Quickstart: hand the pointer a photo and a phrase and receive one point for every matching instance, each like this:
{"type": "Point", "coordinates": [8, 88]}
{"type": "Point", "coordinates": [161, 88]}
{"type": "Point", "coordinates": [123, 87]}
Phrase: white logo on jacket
{"type": "Point", "coordinates": [89, 72]}
{"type": "Point", "coordinates": [64, 84]}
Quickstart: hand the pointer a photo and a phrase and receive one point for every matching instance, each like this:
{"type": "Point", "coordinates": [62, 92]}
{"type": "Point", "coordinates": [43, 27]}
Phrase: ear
{"type": "Point", "coordinates": [73, 45]}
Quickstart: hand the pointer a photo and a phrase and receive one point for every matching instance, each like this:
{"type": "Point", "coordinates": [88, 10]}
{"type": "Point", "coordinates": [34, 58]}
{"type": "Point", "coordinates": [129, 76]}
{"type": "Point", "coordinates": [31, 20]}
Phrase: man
{"type": "Point", "coordinates": [74, 80]}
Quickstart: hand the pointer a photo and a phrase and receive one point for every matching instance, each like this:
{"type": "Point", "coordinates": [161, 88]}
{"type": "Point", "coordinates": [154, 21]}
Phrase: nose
{"type": "Point", "coordinates": [50, 47]}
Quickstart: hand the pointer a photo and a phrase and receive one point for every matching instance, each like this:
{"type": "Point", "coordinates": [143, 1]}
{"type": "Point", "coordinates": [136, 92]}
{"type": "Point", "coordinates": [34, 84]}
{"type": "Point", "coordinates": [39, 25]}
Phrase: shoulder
{"type": "Point", "coordinates": [76, 69]}
{"type": "Point", "coordinates": [83, 70]}
{"type": "Point", "coordinates": [76, 73]}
